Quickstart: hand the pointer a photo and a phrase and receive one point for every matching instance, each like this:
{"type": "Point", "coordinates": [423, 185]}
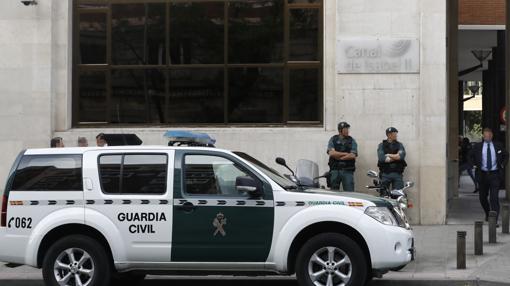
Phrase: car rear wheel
{"type": "Point", "coordinates": [331, 259]}
{"type": "Point", "coordinates": [76, 261]}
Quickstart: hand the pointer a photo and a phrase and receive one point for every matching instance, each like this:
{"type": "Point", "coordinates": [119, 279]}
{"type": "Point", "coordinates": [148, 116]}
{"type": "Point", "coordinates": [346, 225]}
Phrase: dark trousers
{"type": "Point", "coordinates": [489, 191]}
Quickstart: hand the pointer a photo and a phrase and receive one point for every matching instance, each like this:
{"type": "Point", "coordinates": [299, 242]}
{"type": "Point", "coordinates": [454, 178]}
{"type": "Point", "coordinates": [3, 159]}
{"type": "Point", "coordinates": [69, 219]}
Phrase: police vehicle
{"type": "Point", "coordinates": [88, 216]}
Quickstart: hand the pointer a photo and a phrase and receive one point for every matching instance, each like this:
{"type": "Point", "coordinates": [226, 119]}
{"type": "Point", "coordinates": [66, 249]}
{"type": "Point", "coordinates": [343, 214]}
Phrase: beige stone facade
{"type": "Point", "coordinates": [36, 87]}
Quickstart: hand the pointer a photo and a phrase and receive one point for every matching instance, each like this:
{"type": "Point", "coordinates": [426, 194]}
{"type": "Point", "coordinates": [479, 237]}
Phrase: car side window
{"type": "Point", "coordinates": [133, 173]}
{"type": "Point", "coordinates": [49, 173]}
{"type": "Point", "coordinates": [212, 175]}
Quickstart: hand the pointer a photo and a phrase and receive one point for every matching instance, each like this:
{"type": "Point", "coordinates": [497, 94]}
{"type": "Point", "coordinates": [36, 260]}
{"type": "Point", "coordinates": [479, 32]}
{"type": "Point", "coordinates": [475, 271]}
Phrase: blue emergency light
{"type": "Point", "coordinates": [181, 137]}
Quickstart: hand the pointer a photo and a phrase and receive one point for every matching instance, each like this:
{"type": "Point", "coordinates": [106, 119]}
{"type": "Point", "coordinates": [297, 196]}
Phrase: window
{"type": "Point", "coordinates": [49, 173]}
{"type": "Point", "coordinates": [198, 62]}
{"type": "Point", "coordinates": [133, 173]}
{"type": "Point", "coordinates": [211, 175]}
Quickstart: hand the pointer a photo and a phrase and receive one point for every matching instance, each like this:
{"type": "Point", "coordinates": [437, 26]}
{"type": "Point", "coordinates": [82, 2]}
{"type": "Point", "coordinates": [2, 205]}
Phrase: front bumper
{"type": "Point", "coordinates": [389, 246]}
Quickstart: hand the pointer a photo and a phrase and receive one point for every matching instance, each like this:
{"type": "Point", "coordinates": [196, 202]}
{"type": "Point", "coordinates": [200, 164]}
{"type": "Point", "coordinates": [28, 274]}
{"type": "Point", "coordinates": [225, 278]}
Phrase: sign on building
{"type": "Point", "coordinates": [378, 55]}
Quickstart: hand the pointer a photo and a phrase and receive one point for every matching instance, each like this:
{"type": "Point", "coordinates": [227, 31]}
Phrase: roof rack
{"type": "Point", "coordinates": [187, 138]}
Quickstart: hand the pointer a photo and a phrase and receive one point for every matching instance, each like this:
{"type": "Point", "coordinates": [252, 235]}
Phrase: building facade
{"type": "Point", "coordinates": [272, 78]}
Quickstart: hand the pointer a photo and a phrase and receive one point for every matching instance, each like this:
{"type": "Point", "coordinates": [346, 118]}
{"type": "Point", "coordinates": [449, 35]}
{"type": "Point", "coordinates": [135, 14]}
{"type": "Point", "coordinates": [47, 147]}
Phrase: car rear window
{"type": "Point", "coordinates": [49, 173]}
{"type": "Point", "coordinates": [133, 173]}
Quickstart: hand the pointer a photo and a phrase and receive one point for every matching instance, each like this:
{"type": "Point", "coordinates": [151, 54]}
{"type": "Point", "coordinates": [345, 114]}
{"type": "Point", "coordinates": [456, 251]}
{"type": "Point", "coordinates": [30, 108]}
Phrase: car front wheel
{"type": "Point", "coordinates": [331, 259]}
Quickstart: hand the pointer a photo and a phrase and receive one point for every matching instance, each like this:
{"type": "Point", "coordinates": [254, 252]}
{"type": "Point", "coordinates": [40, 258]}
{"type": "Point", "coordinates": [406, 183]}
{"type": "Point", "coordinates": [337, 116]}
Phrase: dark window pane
{"type": "Point", "coordinates": [304, 1]}
{"type": "Point", "coordinates": [144, 174]}
{"type": "Point", "coordinates": [196, 96]}
{"type": "Point", "coordinates": [84, 5]}
{"type": "Point", "coordinates": [304, 34]}
{"type": "Point", "coordinates": [109, 172]}
{"type": "Point", "coordinates": [196, 33]}
{"type": "Point", "coordinates": [93, 97]}
{"type": "Point", "coordinates": [255, 95]}
{"type": "Point", "coordinates": [138, 96]}
{"type": "Point", "coordinates": [304, 95]}
{"type": "Point", "coordinates": [49, 173]}
{"type": "Point", "coordinates": [92, 38]}
{"type": "Point", "coordinates": [211, 175]}
{"type": "Point", "coordinates": [138, 34]}
{"type": "Point", "coordinates": [255, 31]}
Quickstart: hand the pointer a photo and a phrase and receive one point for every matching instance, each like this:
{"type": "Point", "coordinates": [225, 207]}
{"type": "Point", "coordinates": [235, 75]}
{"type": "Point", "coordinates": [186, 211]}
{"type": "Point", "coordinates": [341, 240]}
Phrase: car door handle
{"type": "Point", "coordinates": [89, 186]}
{"type": "Point", "coordinates": [187, 207]}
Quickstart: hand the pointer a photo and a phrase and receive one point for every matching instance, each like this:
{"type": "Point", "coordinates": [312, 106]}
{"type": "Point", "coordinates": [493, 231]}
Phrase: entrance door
{"type": "Point", "coordinates": [213, 221]}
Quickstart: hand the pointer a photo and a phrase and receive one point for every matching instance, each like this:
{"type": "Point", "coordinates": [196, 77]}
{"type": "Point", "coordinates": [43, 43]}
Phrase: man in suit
{"type": "Point", "coordinates": [490, 159]}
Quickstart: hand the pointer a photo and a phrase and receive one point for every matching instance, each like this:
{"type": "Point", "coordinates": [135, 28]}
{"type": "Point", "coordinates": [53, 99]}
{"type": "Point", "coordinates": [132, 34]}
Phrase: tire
{"type": "Point", "coordinates": [315, 258]}
{"type": "Point", "coordinates": [127, 279]}
{"type": "Point", "coordinates": [91, 263]}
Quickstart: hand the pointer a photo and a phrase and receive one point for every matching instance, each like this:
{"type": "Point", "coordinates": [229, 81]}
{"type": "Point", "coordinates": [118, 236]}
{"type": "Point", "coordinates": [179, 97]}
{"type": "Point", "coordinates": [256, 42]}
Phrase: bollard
{"type": "Point", "coordinates": [492, 227]}
{"type": "Point", "coordinates": [461, 250]}
{"type": "Point", "coordinates": [478, 237]}
{"type": "Point", "coordinates": [505, 219]}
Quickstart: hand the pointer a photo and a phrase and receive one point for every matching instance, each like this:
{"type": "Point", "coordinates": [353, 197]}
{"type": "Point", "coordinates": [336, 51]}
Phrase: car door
{"type": "Point", "coordinates": [128, 195]}
{"type": "Point", "coordinates": [213, 221]}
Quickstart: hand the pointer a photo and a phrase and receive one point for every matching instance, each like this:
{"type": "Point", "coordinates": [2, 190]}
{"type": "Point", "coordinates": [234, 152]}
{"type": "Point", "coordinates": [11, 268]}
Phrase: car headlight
{"type": "Point", "coordinates": [382, 215]}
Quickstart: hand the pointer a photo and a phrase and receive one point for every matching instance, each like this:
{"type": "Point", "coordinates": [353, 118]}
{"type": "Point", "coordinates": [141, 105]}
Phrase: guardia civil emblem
{"type": "Point", "coordinates": [219, 223]}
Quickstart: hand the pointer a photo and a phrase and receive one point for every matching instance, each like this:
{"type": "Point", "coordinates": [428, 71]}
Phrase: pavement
{"type": "Point", "coordinates": [436, 246]}
{"type": "Point", "coordinates": [435, 262]}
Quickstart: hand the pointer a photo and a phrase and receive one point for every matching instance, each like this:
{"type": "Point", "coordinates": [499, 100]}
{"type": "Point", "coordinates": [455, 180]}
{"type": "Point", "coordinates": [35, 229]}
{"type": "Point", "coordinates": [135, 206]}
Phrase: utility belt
{"type": "Point", "coordinates": [392, 167]}
{"type": "Point", "coordinates": [336, 165]}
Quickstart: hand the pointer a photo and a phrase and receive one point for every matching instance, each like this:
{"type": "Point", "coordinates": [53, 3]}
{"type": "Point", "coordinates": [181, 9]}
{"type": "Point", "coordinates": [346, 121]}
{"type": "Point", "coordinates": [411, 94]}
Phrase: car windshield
{"type": "Point", "coordinates": [270, 172]}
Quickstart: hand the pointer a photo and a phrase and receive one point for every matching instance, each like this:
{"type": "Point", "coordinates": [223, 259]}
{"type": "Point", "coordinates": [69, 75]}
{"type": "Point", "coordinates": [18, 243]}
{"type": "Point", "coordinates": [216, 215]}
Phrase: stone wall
{"type": "Point", "coordinates": [36, 94]}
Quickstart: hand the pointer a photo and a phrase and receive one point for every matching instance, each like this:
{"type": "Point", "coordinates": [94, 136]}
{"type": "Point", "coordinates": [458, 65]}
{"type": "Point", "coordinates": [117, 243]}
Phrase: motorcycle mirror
{"type": "Point", "coordinates": [281, 161]}
{"type": "Point", "coordinates": [372, 174]}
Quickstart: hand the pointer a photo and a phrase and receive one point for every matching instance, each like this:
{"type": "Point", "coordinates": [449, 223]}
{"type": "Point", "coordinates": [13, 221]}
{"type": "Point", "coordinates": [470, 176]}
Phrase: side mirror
{"type": "Point", "coordinates": [246, 184]}
{"type": "Point", "coordinates": [372, 174]}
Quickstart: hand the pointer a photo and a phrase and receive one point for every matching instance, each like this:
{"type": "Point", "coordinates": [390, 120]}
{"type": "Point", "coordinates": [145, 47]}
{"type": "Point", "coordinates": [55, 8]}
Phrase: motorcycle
{"type": "Point", "coordinates": [306, 175]}
{"type": "Point", "coordinates": [398, 196]}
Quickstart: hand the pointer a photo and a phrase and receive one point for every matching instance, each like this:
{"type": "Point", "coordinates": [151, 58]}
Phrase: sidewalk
{"type": "Point", "coordinates": [436, 247]}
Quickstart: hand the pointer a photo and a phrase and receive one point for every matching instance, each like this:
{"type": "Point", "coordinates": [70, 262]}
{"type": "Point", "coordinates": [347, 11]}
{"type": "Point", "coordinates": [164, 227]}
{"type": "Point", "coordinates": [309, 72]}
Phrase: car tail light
{"type": "Point", "coordinates": [3, 217]}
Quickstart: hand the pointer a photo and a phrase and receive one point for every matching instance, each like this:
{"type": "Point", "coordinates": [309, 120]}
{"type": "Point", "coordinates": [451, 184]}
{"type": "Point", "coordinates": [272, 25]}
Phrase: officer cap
{"type": "Point", "coordinates": [391, 130]}
{"type": "Point", "coordinates": [343, 125]}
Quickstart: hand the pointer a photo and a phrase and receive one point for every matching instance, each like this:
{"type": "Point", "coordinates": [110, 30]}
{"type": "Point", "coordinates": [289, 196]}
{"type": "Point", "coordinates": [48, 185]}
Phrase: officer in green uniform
{"type": "Point", "coordinates": [342, 151]}
{"type": "Point", "coordinates": [391, 161]}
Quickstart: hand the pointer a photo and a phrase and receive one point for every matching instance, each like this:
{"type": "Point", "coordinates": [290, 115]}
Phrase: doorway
{"type": "Point", "coordinates": [477, 98]}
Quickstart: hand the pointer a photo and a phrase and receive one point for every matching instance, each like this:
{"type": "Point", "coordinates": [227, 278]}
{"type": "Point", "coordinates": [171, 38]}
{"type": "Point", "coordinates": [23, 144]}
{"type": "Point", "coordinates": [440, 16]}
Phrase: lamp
{"type": "Point", "coordinates": [474, 89]}
{"type": "Point", "coordinates": [481, 55]}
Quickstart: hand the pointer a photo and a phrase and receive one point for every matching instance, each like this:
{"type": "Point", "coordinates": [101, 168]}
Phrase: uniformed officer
{"type": "Point", "coordinates": [391, 160]}
{"type": "Point", "coordinates": [342, 151]}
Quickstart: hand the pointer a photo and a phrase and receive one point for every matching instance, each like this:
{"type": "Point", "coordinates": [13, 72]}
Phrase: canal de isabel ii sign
{"type": "Point", "coordinates": [384, 55]}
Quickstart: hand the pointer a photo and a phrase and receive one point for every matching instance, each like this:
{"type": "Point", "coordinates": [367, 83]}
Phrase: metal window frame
{"type": "Point", "coordinates": [108, 67]}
